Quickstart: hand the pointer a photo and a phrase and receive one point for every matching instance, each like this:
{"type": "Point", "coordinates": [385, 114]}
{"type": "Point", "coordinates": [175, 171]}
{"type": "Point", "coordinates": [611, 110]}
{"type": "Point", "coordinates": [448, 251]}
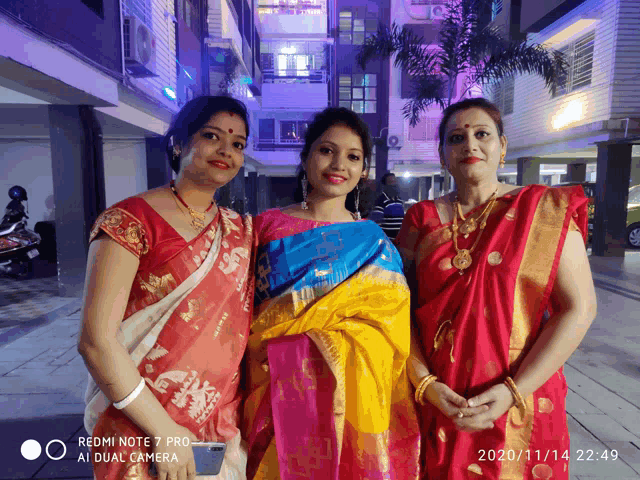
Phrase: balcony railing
{"type": "Point", "coordinates": [277, 143]}
{"type": "Point", "coordinates": [290, 75]}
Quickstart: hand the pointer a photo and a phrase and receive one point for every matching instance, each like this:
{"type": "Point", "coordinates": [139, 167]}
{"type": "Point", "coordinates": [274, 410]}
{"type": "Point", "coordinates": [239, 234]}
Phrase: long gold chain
{"type": "Point", "coordinates": [463, 259]}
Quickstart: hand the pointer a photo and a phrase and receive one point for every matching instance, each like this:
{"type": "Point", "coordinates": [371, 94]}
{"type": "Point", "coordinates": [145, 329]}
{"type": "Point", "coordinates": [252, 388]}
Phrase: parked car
{"type": "Point", "coordinates": [633, 217]}
{"type": "Point", "coordinates": [589, 192]}
{"type": "Point", "coordinates": [633, 211]}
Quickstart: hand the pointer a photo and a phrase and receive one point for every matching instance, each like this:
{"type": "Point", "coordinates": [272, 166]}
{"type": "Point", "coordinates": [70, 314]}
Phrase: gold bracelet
{"type": "Point", "coordinates": [422, 387]}
{"type": "Point", "coordinates": [520, 403]}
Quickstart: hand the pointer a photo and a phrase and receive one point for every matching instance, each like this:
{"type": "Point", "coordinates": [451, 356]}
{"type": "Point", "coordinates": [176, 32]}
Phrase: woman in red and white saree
{"type": "Point", "coordinates": [485, 263]}
{"type": "Point", "coordinates": [167, 308]}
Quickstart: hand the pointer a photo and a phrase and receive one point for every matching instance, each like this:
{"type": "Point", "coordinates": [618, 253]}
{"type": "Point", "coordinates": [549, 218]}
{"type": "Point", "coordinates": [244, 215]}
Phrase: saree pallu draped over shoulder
{"type": "Point", "coordinates": [186, 331]}
{"type": "Point", "coordinates": [329, 396]}
{"type": "Point", "coordinates": [477, 327]}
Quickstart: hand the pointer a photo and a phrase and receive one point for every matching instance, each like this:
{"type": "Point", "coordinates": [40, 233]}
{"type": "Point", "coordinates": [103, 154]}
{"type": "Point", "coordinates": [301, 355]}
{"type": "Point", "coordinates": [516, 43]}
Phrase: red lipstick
{"type": "Point", "coordinates": [337, 179]}
{"type": "Point", "coordinates": [219, 164]}
{"type": "Point", "coordinates": [471, 160]}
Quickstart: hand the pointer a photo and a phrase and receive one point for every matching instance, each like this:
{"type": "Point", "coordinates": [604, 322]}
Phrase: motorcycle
{"type": "Point", "coordinates": [17, 243]}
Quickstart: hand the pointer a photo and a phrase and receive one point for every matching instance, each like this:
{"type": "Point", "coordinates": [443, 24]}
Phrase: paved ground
{"type": "Point", "coordinates": [42, 380]}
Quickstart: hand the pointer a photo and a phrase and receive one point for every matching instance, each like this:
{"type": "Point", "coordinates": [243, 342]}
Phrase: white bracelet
{"type": "Point", "coordinates": [131, 397]}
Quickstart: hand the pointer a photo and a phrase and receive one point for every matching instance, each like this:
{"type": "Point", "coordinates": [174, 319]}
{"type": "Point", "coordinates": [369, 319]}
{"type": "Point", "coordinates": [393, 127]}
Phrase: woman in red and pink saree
{"type": "Point", "coordinates": [167, 308]}
{"type": "Point", "coordinates": [328, 392]}
{"type": "Point", "coordinates": [502, 295]}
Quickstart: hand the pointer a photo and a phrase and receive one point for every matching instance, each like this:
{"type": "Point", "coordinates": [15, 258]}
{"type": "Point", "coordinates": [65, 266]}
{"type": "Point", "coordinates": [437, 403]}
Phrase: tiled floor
{"type": "Point", "coordinates": [42, 382]}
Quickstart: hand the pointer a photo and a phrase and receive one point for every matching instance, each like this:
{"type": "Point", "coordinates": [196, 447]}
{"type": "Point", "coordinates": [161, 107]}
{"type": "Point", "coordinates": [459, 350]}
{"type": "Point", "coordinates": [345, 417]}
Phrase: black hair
{"type": "Point", "coordinates": [193, 116]}
{"type": "Point", "coordinates": [383, 180]}
{"type": "Point", "coordinates": [323, 121]}
{"type": "Point", "coordinates": [490, 109]}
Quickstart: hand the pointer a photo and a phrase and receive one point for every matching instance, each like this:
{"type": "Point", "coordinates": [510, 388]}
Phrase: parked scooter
{"type": "Point", "coordinates": [17, 243]}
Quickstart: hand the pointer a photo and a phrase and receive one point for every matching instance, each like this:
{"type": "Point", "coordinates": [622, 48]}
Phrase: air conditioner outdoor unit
{"type": "Point", "coordinates": [139, 48]}
{"type": "Point", "coordinates": [394, 141]}
{"type": "Point", "coordinates": [437, 12]}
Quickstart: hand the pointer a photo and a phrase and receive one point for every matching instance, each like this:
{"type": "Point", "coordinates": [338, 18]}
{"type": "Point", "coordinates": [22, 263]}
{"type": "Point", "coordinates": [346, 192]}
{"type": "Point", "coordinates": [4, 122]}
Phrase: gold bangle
{"type": "Point", "coordinates": [520, 403]}
{"type": "Point", "coordinates": [422, 387]}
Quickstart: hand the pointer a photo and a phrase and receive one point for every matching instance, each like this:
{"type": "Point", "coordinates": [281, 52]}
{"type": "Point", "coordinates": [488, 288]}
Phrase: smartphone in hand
{"type": "Point", "coordinates": [207, 455]}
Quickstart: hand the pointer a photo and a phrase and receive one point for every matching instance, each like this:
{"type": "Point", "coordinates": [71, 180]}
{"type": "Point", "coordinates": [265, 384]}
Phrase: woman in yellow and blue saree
{"type": "Point", "coordinates": [328, 394]}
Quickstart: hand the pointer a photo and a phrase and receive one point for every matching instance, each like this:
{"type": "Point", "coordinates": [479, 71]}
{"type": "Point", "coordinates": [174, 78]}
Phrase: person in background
{"type": "Point", "coordinates": [167, 305]}
{"type": "Point", "coordinates": [389, 210]}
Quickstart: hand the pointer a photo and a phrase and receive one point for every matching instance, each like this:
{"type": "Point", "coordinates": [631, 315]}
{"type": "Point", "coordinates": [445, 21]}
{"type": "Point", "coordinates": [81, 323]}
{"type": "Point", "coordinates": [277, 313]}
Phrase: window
{"type": "Point", "coordinates": [503, 95]}
{"type": "Point", "coordinates": [191, 17]}
{"type": "Point", "coordinates": [496, 8]}
{"type": "Point", "coordinates": [425, 131]}
{"type": "Point", "coordinates": [579, 55]}
{"type": "Point", "coordinates": [292, 7]}
{"type": "Point", "coordinates": [354, 31]}
{"type": "Point", "coordinates": [140, 9]}
{"type": "Point", "coordinates": [267, 129]}
{"type": "Point", "coordinates": [358, 92]}
{"type": "Point", "coordinates": [293, 131]}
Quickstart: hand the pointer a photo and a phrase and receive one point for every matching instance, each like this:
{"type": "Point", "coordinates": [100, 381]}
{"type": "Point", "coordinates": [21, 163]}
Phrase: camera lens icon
{"type": "Point", "coordinates": [31, 449]}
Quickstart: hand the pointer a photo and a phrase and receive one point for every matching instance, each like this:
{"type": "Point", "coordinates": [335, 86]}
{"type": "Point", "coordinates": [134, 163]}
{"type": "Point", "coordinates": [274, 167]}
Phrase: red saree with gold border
{"type": "Point", "coordinates": [476, 327]}
{"type": "Point", "coordinates": [186, 327]}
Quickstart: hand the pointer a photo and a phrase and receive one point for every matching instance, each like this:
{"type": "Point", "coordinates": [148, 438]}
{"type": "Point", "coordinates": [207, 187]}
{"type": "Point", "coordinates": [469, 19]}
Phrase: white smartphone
{"type": "Point", "coordinates": [207, 455]}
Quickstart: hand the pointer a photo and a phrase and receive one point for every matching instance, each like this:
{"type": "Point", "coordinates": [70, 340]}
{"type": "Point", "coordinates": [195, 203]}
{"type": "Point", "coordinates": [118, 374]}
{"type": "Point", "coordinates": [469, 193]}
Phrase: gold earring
{"type": "Point", "coordinates": [501, 161]}
{"type": "Point", "coordinates": [176, 151]}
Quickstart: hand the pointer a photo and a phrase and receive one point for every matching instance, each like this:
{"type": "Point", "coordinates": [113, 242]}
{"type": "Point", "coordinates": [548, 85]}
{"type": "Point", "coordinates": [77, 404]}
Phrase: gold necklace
{"type": "Point", "coordinates": [470, 224]}
{"type": "Point", "coordinates": [197, 218]}
{"type": "Point", "coordinates": [463, 259]}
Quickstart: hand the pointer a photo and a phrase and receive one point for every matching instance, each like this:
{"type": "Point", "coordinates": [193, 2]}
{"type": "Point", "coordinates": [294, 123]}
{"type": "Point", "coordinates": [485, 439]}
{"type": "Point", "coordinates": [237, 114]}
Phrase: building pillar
{"type": "Point", "coordinates": [438, 181]}
{"type": "Point", "coordinates": [528, 171]}
{"type": "Point", "coordinates": [612, 193]}
{"type": "Point", "coordinates": [78, 189]}
{"type": "Point", "coordinates": [424, 186]}
{"type": "Point", "coordinates": [238, 192]}
{"type": "Point", "coordinates": [263, 193]}
{"type": "Point", "coordinates": [158, 168]}
{"type": "Point", "coordinates": [382, 158]}
{"type": "Point", "coordinates": [576, 172]}
{"type": "Point", "coordinates": [251, 189]}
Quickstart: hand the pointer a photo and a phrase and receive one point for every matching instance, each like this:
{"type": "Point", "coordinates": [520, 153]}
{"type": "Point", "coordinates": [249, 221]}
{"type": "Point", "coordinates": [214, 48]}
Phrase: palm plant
{"type": "Point", "coordinates": [465, 47]}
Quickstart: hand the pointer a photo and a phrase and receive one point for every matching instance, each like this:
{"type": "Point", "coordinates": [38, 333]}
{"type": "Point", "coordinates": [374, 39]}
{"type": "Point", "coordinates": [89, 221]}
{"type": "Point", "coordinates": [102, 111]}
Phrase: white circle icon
{"type": "Point", "coordinates": [30, 449]}
{"type": "Point", "coordinates": [64, 449]}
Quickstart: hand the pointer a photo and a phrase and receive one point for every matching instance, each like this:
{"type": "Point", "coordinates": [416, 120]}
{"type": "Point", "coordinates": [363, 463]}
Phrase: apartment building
{"type": "Point", "coordinates": [86, 87]}
{"type": "Point", "coordinates": [590, 128]}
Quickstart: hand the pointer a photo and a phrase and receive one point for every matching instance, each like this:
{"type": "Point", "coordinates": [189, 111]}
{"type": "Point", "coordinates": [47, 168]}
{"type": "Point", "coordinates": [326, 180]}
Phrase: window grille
{"type": "Point", "coordinates": [503, 95]}
{"type": "Point", "coordinates": [424, 131]}
{"type": "Point", "coordinates": [358, 92]}
{"type": "Point", "coordinates": [496, 8]}
{"type": "Point", "coordinates": [354, 31]}
{"type": "Point", "coordinates": [579, 56]}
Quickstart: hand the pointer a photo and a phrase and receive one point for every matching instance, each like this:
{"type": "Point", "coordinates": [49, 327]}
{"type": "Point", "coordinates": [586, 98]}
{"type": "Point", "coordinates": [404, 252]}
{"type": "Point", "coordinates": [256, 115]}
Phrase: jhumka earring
{"type": "Point", "coordinates": [501, 161]}
{"type": "Point", "coordinates": [305, 184]}
{"type": "Point", "coordinates": [357, 214]}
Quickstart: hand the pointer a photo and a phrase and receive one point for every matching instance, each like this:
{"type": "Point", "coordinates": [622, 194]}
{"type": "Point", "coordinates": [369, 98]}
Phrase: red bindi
{"type": "Point", "coordinates": [231, 113]}
{"type": "Point", "coordinates": [466, 125]}
{"type": "Point", "coordinates": [231, 130]}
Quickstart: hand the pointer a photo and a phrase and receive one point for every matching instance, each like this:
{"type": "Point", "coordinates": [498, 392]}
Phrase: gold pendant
{"type": "Point", "coordinates": [462, 260]}
{"type": "Point", "coordinates": [197, 219]}
{"type": "Point", "coordinates": [468, 227]}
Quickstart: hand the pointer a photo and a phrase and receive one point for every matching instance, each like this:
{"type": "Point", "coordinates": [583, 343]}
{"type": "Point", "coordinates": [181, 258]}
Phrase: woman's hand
{"type": "Point", "coordinates": [449, 402]}
{"type": "Point", "coordinates": [185, 466]}
{"type": "Point", "coordinates": [496, 401]}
